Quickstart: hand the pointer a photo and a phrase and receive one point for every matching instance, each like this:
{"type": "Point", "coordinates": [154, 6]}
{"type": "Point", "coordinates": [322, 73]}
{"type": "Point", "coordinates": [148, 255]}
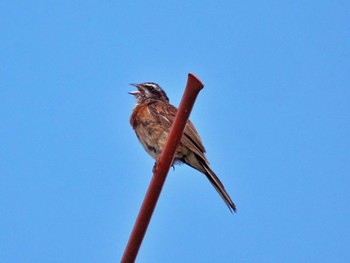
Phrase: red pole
{"type": "Point", "coordinates": [161, 168]}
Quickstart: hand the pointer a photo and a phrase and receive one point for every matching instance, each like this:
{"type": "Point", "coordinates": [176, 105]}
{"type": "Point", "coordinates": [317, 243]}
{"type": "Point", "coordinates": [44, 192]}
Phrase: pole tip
{"type": "Point", "coordinates": [195, 81]}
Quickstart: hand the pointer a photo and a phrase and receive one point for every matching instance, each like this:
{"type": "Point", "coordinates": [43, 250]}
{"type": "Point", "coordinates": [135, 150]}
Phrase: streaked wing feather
{"type": "Point", "coordinates": [166, 118]}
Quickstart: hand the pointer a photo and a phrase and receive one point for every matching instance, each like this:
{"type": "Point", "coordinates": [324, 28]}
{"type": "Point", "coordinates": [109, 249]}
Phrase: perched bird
{"type": "Point", "coordinates": [152, 118]}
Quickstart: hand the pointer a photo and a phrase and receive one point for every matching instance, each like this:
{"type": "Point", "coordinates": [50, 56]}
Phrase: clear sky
{"type": "Point", "coordinates": [274, 116]}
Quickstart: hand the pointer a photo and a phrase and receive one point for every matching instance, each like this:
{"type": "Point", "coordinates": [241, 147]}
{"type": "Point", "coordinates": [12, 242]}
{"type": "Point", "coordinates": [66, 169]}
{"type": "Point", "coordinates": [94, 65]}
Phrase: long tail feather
{"type": "Point", "coordinates": [219, 187]}
{"type": "Point", "coordinates": [201, 164]}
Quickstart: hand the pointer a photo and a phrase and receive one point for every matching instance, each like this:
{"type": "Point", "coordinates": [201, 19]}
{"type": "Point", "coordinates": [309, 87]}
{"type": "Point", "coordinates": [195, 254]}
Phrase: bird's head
{"type": "Point", "coordinates": [149, 91]}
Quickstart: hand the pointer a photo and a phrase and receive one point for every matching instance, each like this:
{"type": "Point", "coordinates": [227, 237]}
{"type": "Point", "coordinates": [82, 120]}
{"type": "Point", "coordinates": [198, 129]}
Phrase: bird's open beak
{"type": "Point", "coordinates": [136, 92]}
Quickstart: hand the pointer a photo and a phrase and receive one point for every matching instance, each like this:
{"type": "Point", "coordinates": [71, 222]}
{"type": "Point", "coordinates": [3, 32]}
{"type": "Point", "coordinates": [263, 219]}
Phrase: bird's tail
{"type": "Point", "coordinates": [200, 163]}
{"type": "Point", "coordinates": [215, 181]}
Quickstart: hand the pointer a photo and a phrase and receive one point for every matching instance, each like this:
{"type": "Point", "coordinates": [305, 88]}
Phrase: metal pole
{"type": "Point", "coordinates": [161, 168]}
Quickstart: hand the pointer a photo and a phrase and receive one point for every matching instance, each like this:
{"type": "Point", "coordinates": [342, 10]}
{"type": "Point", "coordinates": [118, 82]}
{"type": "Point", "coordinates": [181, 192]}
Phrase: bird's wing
{"type": "Point", "coordinates": [165, 116]}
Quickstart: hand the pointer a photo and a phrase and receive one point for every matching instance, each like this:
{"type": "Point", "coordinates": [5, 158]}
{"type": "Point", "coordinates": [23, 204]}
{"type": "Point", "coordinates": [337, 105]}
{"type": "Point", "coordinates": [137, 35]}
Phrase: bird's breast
{"type": "Point", "coordinates": [148, 130]}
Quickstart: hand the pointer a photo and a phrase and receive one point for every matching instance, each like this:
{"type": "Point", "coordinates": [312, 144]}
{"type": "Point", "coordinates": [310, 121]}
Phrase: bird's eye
{"type": "Point", "coordinates": [150, 88]}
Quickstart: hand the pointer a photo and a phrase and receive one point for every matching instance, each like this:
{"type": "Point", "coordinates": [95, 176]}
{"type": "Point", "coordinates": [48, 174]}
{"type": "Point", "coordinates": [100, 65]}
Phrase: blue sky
{"type": "Point", "coordinates": [274, 117]}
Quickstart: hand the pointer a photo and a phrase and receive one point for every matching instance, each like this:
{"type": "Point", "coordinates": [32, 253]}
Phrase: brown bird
{"type": "Point", "coordinates": [152, 118]}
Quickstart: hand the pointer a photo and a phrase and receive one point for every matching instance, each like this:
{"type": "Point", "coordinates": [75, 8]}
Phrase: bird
{"type": "Point", "coordinates": [152, 118]}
